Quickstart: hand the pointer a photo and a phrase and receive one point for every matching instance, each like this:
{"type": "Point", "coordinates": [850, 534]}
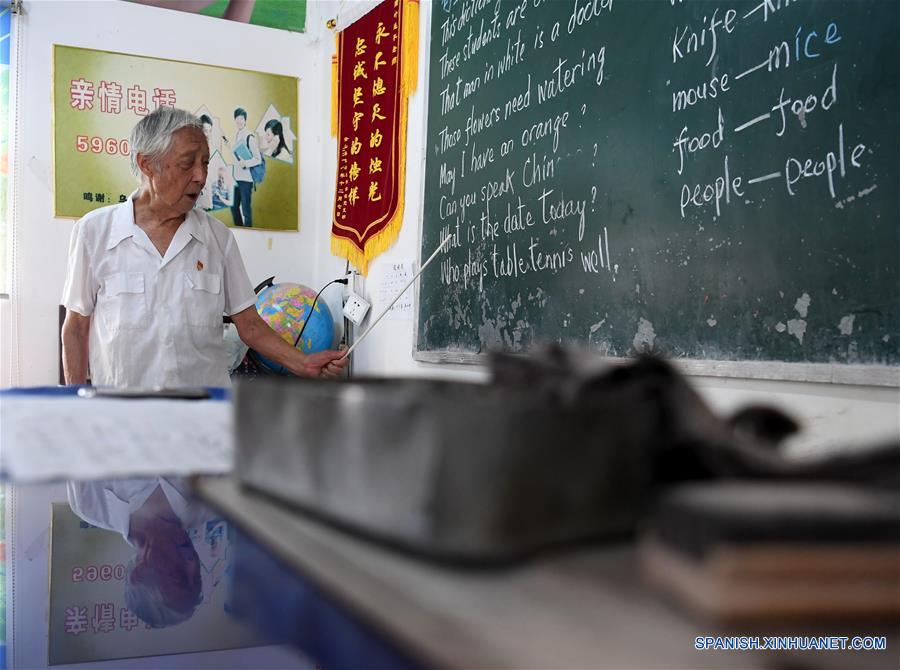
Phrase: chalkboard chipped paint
{"type": "Point", "coordinates": [797, 328]}
{"type": "Point", "coordinates": [802, 305]}
{"type": "Point", "coordinates": [846, 324]}
{"type": "Point", "coordinates": [644, 337]}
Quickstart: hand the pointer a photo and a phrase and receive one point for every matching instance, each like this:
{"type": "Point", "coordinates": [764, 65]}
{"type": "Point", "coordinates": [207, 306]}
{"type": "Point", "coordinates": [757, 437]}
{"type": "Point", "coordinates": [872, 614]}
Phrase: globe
{"type": "Point", "coordinates": [285, 307]}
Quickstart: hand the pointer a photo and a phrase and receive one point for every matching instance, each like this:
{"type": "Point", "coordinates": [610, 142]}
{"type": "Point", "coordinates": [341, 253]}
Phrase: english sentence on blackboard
{"type": "Point", "coordinates": [534, 171]}
{"type": "Point", "coordinates": [463, 140]}
{"type": "Point", "coordinates": [583, 11]}
{"type": "Point", "coordinates": [565, 75]}
{"type": "Point", "coordinates": [557, 208]}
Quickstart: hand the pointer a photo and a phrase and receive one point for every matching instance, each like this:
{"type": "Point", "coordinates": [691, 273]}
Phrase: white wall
{"type": "Point", "coordinates": [835, 414]}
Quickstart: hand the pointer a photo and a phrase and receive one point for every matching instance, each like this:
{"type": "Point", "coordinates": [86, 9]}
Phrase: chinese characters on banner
{"type": "Point", "coordinates": [374, 73]}
{"type": "Point", "coordinates": [99, 96]}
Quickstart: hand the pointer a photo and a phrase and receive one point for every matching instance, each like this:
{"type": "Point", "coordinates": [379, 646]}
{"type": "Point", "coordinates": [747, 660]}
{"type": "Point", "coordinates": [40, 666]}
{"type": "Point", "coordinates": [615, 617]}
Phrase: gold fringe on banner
{"type": "Point", "coordinates": [344, 248]}
{"type": "Point", "coordinates": [381, 242]}
{"type": "Point", "coordinates": [335, 85]}
{"type": "Point", "coordinates": [410, 45]}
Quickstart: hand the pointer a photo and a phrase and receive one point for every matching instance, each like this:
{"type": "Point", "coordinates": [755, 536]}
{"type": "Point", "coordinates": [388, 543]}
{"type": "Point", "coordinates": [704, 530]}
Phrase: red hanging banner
{"type": "Point", "coordinates": [374, 73]}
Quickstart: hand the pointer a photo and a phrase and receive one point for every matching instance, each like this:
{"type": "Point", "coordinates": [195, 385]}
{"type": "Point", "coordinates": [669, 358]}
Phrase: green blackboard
{"type": "Point", "coordinates": [713, 181]}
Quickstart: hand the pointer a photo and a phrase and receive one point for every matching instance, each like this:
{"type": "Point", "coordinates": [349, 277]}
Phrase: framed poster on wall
{"type": "Point", "coordinates": [98, 97]}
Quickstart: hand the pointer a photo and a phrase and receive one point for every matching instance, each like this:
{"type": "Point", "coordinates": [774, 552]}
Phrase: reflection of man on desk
{"type": "Point", "coordinates": [163, 585]}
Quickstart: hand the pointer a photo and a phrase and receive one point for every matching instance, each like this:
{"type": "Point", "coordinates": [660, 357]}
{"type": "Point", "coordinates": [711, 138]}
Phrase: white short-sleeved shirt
{"type": "Point", "coordinates": [155, 321]}
{"type": "Point", "coordinates": [109, 503]}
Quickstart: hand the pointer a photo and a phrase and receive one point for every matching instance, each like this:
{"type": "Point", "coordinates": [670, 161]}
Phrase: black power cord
{"type": "Point", "coordinates": [342, 280]}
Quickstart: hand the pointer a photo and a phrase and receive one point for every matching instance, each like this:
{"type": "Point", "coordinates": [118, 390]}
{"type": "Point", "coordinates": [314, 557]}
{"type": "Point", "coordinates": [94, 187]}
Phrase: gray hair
{"type": "Point", "coordinates": [146, 600]}
{"type": "Point", "coordinates": [152, 136]}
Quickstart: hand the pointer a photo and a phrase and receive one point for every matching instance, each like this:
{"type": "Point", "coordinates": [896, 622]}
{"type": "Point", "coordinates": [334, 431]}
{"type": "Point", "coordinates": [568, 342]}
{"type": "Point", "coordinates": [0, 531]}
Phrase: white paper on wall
{"type": "Point", "coordinates": [391, 279]}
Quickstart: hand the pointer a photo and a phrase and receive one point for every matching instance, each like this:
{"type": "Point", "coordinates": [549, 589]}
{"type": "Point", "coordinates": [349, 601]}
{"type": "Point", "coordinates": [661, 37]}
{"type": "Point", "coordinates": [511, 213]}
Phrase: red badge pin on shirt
{"type": "Point", "coordinates": [199, 265]}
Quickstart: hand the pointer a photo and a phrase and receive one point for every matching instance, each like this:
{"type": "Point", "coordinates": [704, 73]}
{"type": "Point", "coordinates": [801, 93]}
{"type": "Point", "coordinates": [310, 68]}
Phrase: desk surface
{"type": "Point", "coordinates": [584, 608]}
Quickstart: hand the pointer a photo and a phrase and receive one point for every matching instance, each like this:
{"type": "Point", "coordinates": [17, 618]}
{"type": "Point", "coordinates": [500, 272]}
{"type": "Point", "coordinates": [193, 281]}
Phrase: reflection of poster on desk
{"type": "Point", "coordinates": [89, 620]}
{"type": "Point", "coordinates": [249, 119]}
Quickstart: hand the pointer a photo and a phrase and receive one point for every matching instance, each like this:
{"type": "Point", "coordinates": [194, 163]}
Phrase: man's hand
{"type": "Point", "coordinates": [257, 335]}
{"type": "Point", "coordinates": [326, 364]}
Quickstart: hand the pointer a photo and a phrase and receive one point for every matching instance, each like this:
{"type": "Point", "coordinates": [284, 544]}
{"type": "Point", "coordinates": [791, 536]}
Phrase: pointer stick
{"type": "Point", "coordinates": [388, 308]}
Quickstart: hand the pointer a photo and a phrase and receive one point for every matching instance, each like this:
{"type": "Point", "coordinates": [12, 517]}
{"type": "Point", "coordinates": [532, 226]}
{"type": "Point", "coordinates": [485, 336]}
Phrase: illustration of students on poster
{"type": "Point", "coordinates": [212, 128]}
{"type": "Point", "coordinates": [100, 96]}
{"type": "Point", "coordinates": [276, 136]}
{"type": "Point", "coordinates": [138, 569]}
{"type": "Point", "coordinates": [249, 169]}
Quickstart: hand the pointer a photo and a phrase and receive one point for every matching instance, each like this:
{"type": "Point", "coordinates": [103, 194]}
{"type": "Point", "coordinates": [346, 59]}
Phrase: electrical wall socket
{"type": "Point", "coordinates": [355, 308]}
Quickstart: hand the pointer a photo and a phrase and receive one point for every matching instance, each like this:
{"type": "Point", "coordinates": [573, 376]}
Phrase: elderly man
{"type": "Point", "coordinates": [149, 279]}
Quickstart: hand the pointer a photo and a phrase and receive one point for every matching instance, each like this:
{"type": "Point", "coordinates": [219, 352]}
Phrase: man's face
{"type": "Point", "coordinates": [182, 170]}
{"type": "Point", "coordinates": [168, 559]}
{"type": "Point", "coordinates": [240, 122]}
